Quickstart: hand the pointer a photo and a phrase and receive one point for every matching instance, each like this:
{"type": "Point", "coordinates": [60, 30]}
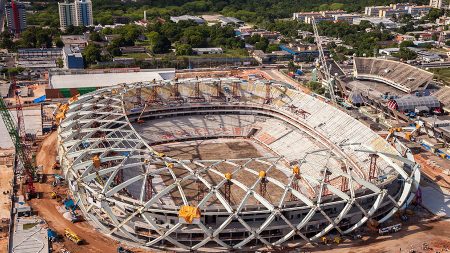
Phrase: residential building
{"type": "Point", "coordinates": [402, 37]}
{"type": "Point", "coordinates": [388, 13]}
{"type": "Point", "coordinates": [267, 58]}
{"type": "Point", "coordinates": [16, 17]}
{"type": "Point", "coordinates": [331, 13]}
{"type": "Point", "coordinates": [66, 14]}
{"type": "Point", "coordinates": [196, 19]}
{"type": "Point", "coordinates": [443, 20]}
{"type": "Point", "coordinates": [79, 41]}
{"type": "Point", "coordinates": [318, 19]}
{"type": "Point", "coordinates": [389, 24]}
{"type": "Point", "coordinates": [301, 16]}
{"type": "Point", "coordinates": [439, 4]}
{"type": "Point", "coordinates": [77, 13]}
{"type": "Point", "coordinates": [418, 10]}
{"type": "Point", "coordinates": [209, 50]}
{"type": "Point", "coordinates": [73, 58]}
{"type": "Point", "coordinates": [38, 58]}
{"type": "Point", "coordinates": [374, 11]}
{"type": "Point", "coordinates": [346, 17]}
{"type": "Point", "coordinates": [396, 10]}
{"type": "Point", "coordinates": [83, 10]}
{"type": "Point", "coordinates": [389, 51]}
{"type": "Point", "coordinates": [231, 21]}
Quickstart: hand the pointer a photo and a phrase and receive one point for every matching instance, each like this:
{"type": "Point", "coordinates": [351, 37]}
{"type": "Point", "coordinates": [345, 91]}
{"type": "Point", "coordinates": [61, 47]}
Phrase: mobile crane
{"type": "Point", "coordinates": [17, 134]}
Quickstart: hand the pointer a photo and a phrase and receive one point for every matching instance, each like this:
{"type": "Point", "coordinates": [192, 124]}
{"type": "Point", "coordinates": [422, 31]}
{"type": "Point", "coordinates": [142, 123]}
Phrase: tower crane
{"type": "Point", "coordinates": [17, 134]}
{"type": "Point", "coordinates": [326, 70]}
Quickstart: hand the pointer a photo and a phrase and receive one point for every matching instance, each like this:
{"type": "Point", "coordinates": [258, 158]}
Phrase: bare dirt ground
{"type": "Point", "coordinates": [6, 176]}
{"type": "Point", "coordinates": [419, 229]}
{"type": "Point", "coordinates": [222, 149]}
{"type": "Point", "coordinates": [47, 208]}
{"type": "Point", "coordinates": [436, 172]}
{"type": "Point", "coordinates": [435, 233]}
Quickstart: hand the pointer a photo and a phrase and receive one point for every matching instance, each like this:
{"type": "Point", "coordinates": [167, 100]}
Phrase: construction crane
{"type": "Point", "coordinates": [326, 70]}
{"type": "Point", "coordinates": [17, 134]}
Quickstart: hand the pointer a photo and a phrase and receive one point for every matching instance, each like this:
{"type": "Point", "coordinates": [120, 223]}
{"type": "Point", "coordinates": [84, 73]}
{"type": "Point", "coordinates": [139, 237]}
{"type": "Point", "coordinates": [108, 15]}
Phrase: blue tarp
{"type": "Point", "coordinates": [40, 99]}
{"type": "Point", "coordinates": [51, 233]}
{"type": "Point", "coordinates": [69, 204]}
{"type": "Point", "coordinates": [299, 72]}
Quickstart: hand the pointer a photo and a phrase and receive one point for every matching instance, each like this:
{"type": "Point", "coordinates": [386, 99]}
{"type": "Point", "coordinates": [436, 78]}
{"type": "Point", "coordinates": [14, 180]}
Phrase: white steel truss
{"type": "Point", "coordinates": [97, 125]}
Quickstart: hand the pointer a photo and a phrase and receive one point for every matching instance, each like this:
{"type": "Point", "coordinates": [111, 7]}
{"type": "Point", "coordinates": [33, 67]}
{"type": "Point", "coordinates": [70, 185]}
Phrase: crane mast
{"type": "Point", "coordinates": [323, 62]}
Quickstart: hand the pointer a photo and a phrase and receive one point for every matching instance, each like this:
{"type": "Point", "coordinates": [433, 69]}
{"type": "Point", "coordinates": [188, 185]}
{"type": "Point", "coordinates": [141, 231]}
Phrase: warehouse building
{"type": "Point", "coordinates": [65, 84]}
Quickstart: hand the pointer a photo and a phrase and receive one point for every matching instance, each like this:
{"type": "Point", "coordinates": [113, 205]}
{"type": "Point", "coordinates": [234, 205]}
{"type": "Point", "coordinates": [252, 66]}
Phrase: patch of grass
{"type": "Point", "coordinates": [29, 226]}
{"type": "Point", "coordinates": [442, 74]}
{"type": "Point", "coordinates": [137, 56]}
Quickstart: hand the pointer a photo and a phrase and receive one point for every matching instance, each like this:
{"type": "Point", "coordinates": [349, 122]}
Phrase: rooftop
{"type": "Point", "coordinates": [83, 79]}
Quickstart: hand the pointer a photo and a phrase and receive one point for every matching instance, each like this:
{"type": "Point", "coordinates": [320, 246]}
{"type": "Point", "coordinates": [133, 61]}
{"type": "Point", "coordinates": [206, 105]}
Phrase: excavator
{"type": "Point", "coordinates": [408, 133]}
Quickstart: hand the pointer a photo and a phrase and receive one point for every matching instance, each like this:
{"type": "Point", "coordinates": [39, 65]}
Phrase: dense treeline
{"type": "Point", "coordinates": [254, 11]}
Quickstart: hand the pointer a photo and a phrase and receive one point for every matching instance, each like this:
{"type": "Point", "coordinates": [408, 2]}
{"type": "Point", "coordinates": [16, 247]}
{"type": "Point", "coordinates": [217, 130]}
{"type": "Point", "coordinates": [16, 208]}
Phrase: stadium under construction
{"type": "Point", "coordinates": [315, 170]}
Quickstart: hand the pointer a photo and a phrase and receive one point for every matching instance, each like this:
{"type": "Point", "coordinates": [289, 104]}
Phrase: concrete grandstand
{"type": "Point", "coordinates": [316, 168]}
{"type": "Point", "coordinates": [401, 76]}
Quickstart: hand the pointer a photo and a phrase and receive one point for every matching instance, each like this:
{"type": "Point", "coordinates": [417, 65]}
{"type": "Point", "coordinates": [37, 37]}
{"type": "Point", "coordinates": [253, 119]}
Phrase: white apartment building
{"type": "Point", "coordinates": [76, 13]}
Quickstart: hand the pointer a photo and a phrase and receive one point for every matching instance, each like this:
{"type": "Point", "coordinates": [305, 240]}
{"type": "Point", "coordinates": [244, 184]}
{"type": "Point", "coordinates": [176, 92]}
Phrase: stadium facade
{"type": "Point", "coordinates": [322, 171]}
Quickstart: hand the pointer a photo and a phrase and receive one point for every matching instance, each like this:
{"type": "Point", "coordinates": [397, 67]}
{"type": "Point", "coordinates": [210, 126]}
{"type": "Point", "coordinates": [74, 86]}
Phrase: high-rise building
{"type": "Point", "coordinates": [16, 17]}
{"type": "Point", "coordinates": [77, 13]}
{"type": "Point", "coordinates": [66, 14]}
{"type": "Point", "coordinates": [83, 9]}
{"type": "Point", "coordinates": [439, 4]}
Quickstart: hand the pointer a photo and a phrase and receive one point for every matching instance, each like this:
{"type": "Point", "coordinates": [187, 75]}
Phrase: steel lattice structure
{"type": "Point", "coordinates": [115, 195]}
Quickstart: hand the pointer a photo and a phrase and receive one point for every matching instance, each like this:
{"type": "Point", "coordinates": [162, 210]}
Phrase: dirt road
{"type": "Point", "coordinates": [47, 207]}
{"type": "Point", "coordinates": [436, 234]}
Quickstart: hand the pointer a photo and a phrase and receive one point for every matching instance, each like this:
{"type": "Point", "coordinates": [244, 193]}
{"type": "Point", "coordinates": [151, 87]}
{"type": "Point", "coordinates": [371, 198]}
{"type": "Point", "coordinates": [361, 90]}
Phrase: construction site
{"type": "Point", "coordinates": [220, 161]}
{"type": "Point", "coordinates": [212, 161]}
{"type": "Point", "coordinates": [275, 193]}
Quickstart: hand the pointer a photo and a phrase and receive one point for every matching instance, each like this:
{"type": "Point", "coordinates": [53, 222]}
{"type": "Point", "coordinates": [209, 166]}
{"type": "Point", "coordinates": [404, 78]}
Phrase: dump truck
{"type": "Point", "coordinates": [72, 236]}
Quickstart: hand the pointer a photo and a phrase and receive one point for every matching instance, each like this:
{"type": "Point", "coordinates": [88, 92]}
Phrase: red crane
{"type": "Point", "coordinates": [25, 155]}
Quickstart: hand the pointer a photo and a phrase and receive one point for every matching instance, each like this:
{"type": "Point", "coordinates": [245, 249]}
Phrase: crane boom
{"type": "Point", "coordinates": [323, 62]}
{"type": "Point", "coordinates": [18, 140]}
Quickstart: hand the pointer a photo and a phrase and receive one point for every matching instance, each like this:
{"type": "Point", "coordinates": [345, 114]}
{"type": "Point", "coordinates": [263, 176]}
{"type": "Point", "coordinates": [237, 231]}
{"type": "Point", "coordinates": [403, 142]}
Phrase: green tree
{"type": "Point", "coordinates": [6, 40]}
{"type": "Point", "coordinates": [95, 36]}
{"type": "Point", "coordinates": [92, 54]}
{"type": "Point", "coordinates": [159, 43]}
{"type": "Point", "coordinates": [183, 49]}
{"type": "Point", "coordinates": [272, 47]}
{"type": "Point", "coordinates": [59, 43]}
{"type": "Point", "coordinates": [407, 43]}
{"type": "Point", "coordinates": [406, 54]}
{"type": "Point", "coordinates": [59, 63]}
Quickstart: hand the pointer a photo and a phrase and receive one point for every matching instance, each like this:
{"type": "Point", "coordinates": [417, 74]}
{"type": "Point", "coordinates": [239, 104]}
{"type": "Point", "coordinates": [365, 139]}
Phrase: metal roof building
{"type": "Point", "coordinates": [106, 78]}
{"type": "Point", "coordinates": [410, 103]}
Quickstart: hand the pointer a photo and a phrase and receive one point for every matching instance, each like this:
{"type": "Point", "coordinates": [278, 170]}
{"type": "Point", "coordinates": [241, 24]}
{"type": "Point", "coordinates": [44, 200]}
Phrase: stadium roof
{"type": "Point", "coordinates": [59, 81]}
{"type": "Point", "coordinates": [443, 95]}
{"type": "Point", "coordinates": [399, 75]}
